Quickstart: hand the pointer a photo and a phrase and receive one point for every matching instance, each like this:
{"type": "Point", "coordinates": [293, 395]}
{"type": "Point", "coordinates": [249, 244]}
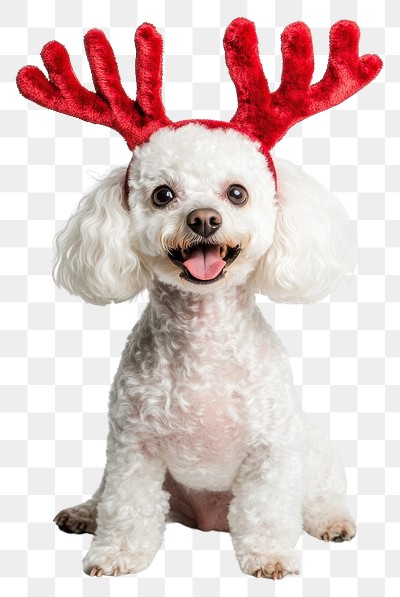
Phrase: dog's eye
{"type": "Point", "coordinates": [162, 196]}
{"type": "Point", "coordinates": [237, 194]}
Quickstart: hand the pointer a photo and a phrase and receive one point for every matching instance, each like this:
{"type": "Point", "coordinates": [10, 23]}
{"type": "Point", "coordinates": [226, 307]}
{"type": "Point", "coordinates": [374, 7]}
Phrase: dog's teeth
{"type": "Point", "coordinates": [184, 253]}
{"type": "Point", "coordinates": [224, 251]}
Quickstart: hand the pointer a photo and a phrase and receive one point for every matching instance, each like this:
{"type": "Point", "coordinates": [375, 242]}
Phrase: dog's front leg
{"type": "Point", "coordinates": [131, 515]}
{"type": "Point", "coordinates": [265, 517]}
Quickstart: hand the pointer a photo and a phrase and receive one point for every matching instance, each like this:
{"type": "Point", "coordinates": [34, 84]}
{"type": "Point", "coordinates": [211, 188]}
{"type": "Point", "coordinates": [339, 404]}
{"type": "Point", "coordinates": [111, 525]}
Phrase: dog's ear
{"type": "Point", "coordinates": [313, 245]}
{"type": "Point", "coordinates": [94, 255]}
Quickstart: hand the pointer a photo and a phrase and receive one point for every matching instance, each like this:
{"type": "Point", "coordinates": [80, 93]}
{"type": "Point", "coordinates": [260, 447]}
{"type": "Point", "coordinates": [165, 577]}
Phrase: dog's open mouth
{"type": "Point", "coordinates": [203, 263]}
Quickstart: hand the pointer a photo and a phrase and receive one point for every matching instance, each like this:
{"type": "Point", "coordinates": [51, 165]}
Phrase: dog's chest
{"type": "Point", "coordinates": [205, 442]}
{"type": "Point", "coordinates": [205, 421]}
{"type": "Point", "coordinates": [193, 385]}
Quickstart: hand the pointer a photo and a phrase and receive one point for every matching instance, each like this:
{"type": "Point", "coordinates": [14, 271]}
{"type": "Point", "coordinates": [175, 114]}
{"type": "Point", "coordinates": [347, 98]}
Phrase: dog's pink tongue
{"type": "Point", "coordinates": [205, 263]}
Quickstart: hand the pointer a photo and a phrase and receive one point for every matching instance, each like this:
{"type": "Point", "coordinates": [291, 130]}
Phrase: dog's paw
{"type": "Point", "coordinates": [338, 530]}
{"type": "Point", "coordinates": [79, 519]}
{"type": "Point", "coordinates": [110, 561]}
{"type": "Point", "coordinates": [274, 564]}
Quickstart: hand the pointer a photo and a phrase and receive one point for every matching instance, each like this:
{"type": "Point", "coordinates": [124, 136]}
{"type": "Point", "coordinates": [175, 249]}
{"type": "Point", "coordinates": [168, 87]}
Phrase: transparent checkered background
{"type": "Point", "coordinates": [58, 355]}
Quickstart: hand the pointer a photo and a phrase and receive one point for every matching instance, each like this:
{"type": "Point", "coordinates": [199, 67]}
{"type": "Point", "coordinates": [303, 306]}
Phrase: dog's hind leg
{"type": "Point", "coordinates": [82, 518]}
{"type": "Point", "coordinates": [325, 513]}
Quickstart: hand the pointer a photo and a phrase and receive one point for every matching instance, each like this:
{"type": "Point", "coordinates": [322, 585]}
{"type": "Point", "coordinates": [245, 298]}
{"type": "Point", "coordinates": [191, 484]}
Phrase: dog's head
{"type": "Point", "coordinates": [198, 209]}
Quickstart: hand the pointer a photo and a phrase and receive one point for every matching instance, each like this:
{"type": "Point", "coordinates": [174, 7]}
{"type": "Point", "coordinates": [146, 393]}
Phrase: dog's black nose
{"type": "Point", "coordinates": [204, 221]}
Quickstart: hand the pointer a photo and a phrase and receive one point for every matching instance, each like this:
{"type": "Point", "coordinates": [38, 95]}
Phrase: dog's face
{"type": "Point", "coordinates": [202, 206]}
{"type": "Point", "coordinates": [204, 215]}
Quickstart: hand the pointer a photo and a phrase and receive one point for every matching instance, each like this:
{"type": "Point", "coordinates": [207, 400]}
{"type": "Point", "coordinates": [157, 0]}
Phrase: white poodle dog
{"type": "Point", "coordinates": [204, 426]}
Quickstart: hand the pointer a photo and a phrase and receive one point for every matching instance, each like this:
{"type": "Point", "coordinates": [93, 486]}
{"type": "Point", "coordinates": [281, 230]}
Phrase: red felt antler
{"type": "Point", "coordinates": [268, 115]}
{"type": "Point", "coordinates": [262, 115]}
{"type": "Point", "coordinates": [110, 105]}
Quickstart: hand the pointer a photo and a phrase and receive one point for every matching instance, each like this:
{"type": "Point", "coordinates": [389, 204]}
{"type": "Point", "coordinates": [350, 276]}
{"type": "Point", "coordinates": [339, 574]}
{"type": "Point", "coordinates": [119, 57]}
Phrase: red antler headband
{"type": "Point", "coordinates": [261, 115]}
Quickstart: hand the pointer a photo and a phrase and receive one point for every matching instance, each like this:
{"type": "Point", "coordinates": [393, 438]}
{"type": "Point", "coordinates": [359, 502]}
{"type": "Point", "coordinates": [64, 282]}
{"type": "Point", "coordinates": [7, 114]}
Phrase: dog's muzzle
{"type": "Point", "coordinates": [205, 261]}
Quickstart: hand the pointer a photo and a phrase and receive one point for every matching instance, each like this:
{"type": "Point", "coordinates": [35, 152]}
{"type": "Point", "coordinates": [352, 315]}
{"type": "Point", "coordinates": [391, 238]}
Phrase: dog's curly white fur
{"type": "Point", "coordinates": [203, 403]}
